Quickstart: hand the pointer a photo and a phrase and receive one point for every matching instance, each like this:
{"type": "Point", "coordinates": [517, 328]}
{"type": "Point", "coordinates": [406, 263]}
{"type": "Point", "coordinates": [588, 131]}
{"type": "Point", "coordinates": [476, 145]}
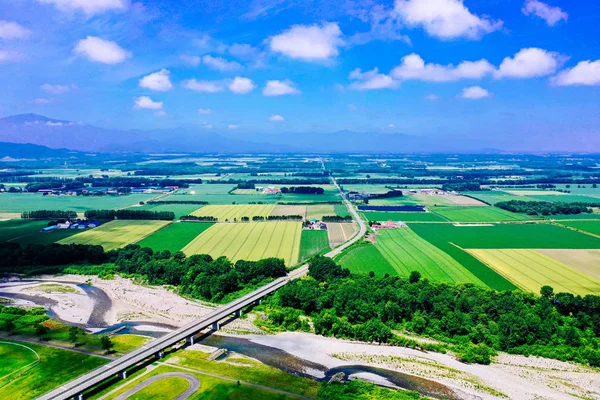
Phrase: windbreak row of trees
{"type": "Point", "coordinates": [130, 214]}
{"type": "Point", "coordinates": [159, 202]}
{"type": "Point", "coordinates": [303, 190]}
{"type": "Point", "coordinates": [462, 187]}
{"type": "Point", "coordinates": [49, 214]}
{"type": "Point", "coordinates": [337, 218]}
{"type": "Point", "coordinates": [477, 321]}
{"type": "Point", "coordinates": [546, 207]}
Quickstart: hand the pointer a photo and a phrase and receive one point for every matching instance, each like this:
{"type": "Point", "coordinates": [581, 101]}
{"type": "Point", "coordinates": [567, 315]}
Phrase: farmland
{"type": "Point", "coordinates": [530, 270]}
{"type": "Point", "coordinates": [585, 261]}
{"type": "Point", "coordinates": [12, 202]}
{"type": "Point", "coordinates": [365, 258]}
{"type": "Point", "coordinates": [28, 232]}
{"type": "Point", "coordinates": [250, 241]}
{"type": "Point", "coordinates": [477, 214]}
{"type": "Point", "coordinates": [178, 209]}
{"type": "Point", "coordinates": [281, 210]}
{"type": "Point", "coordinates": [317, 211]}
{"type": "Point", "coordinates": [407, 252]}
{"type": "Point", "coordinates": [312, 242]}
{"type": "Point", "coordinates": [230, 213]}
{"type": "Point", "coordinates": [175, 236]}
{"type": "Point", "coordinates": [403, 216]}
{"type": "Point", "coordinates": [340, 232]}
{"type": "Point", "coordinates": [587, 226]}
{"type": "Point", "coordinates": [115, 234]}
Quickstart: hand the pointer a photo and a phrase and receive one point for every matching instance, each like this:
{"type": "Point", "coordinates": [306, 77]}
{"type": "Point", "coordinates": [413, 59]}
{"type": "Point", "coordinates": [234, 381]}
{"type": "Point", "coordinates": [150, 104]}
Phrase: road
{"type": "Point", "coordinates": [77, 386]}
{"type": "Point", "coordinates": [192, 380]}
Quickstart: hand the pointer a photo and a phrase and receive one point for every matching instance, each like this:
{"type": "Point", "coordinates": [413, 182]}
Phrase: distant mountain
{"type": "Point", "coordinates": [27, 150]}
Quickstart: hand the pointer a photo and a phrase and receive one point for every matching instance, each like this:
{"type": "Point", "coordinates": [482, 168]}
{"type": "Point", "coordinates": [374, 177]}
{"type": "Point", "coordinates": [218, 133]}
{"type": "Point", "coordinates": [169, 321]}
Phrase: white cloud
{"type": "Point", "coordinates": [352, 107]}
{"type": "Point", "coordinates": [204, 111]}
{"type": "Point", "coordinates": [203, 86]}
{"type": "Point", "coordinates": [474, 93]}
{"type": "Point", "coordinates": [280, 88]}
{"type": "Point", "coordinates": [552, 15]}
{"type": "Point", "coordinates": [308, 42]}
{"type": "Point", "coordinates": [586, 73]}
{"type": "Point", "coordinates": [276, 118]}
{"type": "Point", "coordinates": [157, 81]}
{"type": "Point", "coordinates": [102, 51]}
{"type": "Point", "coordinates": [10, 56]}
{"type": "Point", "coordinates": [391, 126]}
{"type": "Point", "coordinates": [414, 68]}
{"type": "Point", "coordinates": [220, 64]}
{"type": "Point", "coordinates": [371, 80]}
{"type": "Point", "coordinates": [12, 30]}
{"type": "Point", "coordinates": [56, 89]}
{"type": "Point", "coordinates": [529, 63]}
{"type": "Point", "coordinates": [145, 102]}
{"type": "Point", "coordinates": [445, 19]}
{"type": "Point", "coordinates": [89, 7]}
{"type": "Point", "coordinates": [191, 60]}
{"type": "Point", "coordinates": [232, 126]}
{"type": "Point", "coordinates": [432, 97]}
{"type": "Point", "coordinates": [40, 101]}
{"type": "Point", "coordinates": [206, 125]}
{"type": "Point", "coordinates": [241, 85]}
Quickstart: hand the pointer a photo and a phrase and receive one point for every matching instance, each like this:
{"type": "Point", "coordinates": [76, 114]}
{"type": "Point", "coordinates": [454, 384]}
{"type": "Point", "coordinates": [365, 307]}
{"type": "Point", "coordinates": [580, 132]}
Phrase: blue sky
{"type": "Point", "coordinates": [492, 68]}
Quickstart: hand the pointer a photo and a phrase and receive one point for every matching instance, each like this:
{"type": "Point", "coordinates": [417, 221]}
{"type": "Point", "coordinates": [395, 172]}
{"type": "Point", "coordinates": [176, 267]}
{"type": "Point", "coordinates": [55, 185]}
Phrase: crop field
{"type": "Point", "coordinates": [281, 210]}
{"type": "Point", "coordinates": [403, 216]}
{"type": "Point", "coordinates": [178, 209]}
{"type": "Point", "coordinates": [477, 214]}
{"type": "Point", "coordinates": [318, 211]}
{"type": "Point", "coordinates": [414, 199]}
{"type": "Point", "coordinates": [585, 261]}
{"type": "Point", "coordinates": [231, 213]}
{"type": "Point", "coordinates": [218, 193]}
{"type": "Point", "coordinates": [582, 216]}
{"type": "Point", "coordinates": [530, 270]}
{"type": "Point", "coordinates": [465, 201]}
{"type": "Point", "coordinates": [115, 234]}
{"type": "Point", "coordinates": [587, 226]}
{"type": "Point", "coordinates": [408, 252]}
{"type": "Point", "coordinates": [367, 188]}
{"type": "Point", "coordinates": [340, 210]}
{"type": "Point", "coordinates": [495, 196]}
{"type": "Point", "coordinates": [28, 232]}
{"type": "Point", "coordinates": [338, 233]}
{"type": "Point", "coordinates": [56, 366]}
{"type": "Point", "coordinates": [586, 190]}
{"type": "Point", "coordinates": [312, 242]}
{"type": "Point", "coordinates": [175, 236]}
{"type": "Point", "coordinates": [567, 198]}
{"type": "Point", "coordinates": [19, 202]}
{"type": "Point", "coordinates": [251, 241]}
{"type": "Point", "coordinates": [364, 258]}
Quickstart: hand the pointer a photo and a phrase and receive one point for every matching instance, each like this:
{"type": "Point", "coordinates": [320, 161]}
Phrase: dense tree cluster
{"type": "Point", "coordinates": [49, 214]}
{"type": "Point", "coordinates": [201, 218]}
{"type": "Point", "coordinates": [14, 256]}
{"type": "Point", "coordinates": [303, 190]}
{"type": "Point", "coordinates": [272, 181]}
{"type": "Point", "coordinates": [546, 207]}
{"type": "Point", "coordinates": [462, 187]}
{"type": "Point", "coordinates": [130, 214]}
{"type": "Point", "coordinates": [246, 185]}
{"type": "Point", "coordinates": [387, 195]}
{"type": "Point", "coordinates": [478, 321]}
{"type": "Point", "coordinates": [337, 218]}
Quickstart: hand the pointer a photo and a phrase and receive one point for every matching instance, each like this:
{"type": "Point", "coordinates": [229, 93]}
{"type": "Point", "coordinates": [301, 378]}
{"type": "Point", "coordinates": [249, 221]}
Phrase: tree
{"type": "Point", "coordinates": [74, 334]}
{"type": "Point", "coordinates": [414, 277]}
{"type": "Point", "coordinates": [9, 326]}
{"type": "Point", "coordinates": [547, 292]}
{"type": "Point", "coordinates": [41, 331]}
{"type": "Point", "coordinates": [106, 343]}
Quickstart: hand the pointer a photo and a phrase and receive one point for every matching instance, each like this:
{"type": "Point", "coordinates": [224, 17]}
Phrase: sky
{"type": "Point", "coordinates": [500, 69]}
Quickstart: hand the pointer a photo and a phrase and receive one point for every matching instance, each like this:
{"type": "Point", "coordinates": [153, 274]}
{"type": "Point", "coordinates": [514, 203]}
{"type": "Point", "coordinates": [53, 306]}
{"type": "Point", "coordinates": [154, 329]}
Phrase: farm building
{"type": "Point", "coordinates": [389, 225]}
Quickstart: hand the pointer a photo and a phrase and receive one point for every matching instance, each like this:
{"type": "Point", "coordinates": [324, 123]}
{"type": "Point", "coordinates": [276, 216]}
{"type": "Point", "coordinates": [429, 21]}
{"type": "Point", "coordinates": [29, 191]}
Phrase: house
{"type": "Point", "coordinates": [63, 225]}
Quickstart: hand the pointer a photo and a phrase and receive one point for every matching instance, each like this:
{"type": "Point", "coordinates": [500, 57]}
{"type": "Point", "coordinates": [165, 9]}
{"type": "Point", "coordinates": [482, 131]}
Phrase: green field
{"type": "Point", "coordinates": [567, 198]}
{"type": "Point", "coordinates": [178, 209]}
{"type": "Point", "coordinates": [402, 216]}
{"type": "Point", "coordinates": [25, 231]}
{"type": "Point", "coordinates": [495, 196]}
{"type": "Point", "coordinates": [530, 270]}
{"type": "Point", "coordinates": [312, 242]}
{"type": "Point", "coordinates": [477, 214]}
{"type": "Point", "coordinates": [587, 226]}
{"type": "Point", "coordinates": [318, 211]}
{"type": "Point", "coordinates": [573, 216]}
{"type": "Point", "coordinates": [56, 367]}
{"type": "Point", "coordinates": [19, 202]}
{"type": "Point", "coordinates": [408, 252]}
{"type": "Point", "coordinates": [175, 236]}
{"type": "Point", "coordinates": [115, 234]}
{"type": "Point", "coordinates": [250, 241]}
{"type": "Point", "coordinates": [230, 213]}
{"type": "Point", "coordinates": [365, 258]}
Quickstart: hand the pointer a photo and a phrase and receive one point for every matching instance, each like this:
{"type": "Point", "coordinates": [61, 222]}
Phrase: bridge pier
{"type": "Point", "coordinates": [160, 354]}
{"type": "Point", "coordinates": [238, 313]}
{"type": "Point", "coordinates": [190, 340]}
{"type": "Point", "coordinates": [215, 326]}
{"type": "Point", "coordinates": [79, 396]}
{"type": "Point", "coordinates": [123, 374]}
{"type": "Point", "coordinates": [257, 302]}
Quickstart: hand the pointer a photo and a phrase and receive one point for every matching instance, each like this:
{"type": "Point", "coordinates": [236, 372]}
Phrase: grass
{"type": "Point", "coordinates": [174, 237]}
{"type": "Point", "coordinates": [166, 388]}
{"type": "Point", "coordinates": [341, 210]}
{"type": "Point", "coordinates": [52, 288]}
{"type": "Point", "coordinates": [115, 234]}
{"type": "Point", "coordinates": [587, 226]}
{"type": "Point", "coordinates": [318, 211]}
{"type": "Point", "coordinates": [478, 214]}
{"type": "Point", "coordinates": [408, 252]}
{"type": "Point", "coordinates": [19, 202]}
{"type": "Point", "coordinates": [25, 231]}
{"type": "Point", "coordinates": [235, 212]}
{"type": "Point", "coordinates": [340, 232]}
{"type": "Point", "coordinates": [126, 343]}
{"type": "Point", "coordinates": [365, 258]}
{"type": "Point", "coordinates": [250, 241]}
{"type": "Point", "coordinates": [55, 368]}
{"type": "Point", "coordinates": [403, 216]}
{"type": "Point", "coordinates": [312, 242]}
{"type": "Point", "coordinates": [15, 358]}
{"type": "Point", "coordinates": [530, 270]}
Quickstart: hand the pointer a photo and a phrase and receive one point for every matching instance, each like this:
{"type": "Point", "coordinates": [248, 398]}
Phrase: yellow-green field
{"type": "Point", "coordinates": [115, 234]}
{"type": "Point", "coordinates": [281, 210]}
{"type": "Point", "coordinates": [340, 232]}
{"type": "Point", "coordinates": [251, 241]}
{"type": "Point", "coordinates": [530, 270]}
{"type": "Point", "coordinates": [235, 212]}
{"type": "Point", "coordinates": [585, 261]}
{"type": "Point", "coordinates": [317, 211]}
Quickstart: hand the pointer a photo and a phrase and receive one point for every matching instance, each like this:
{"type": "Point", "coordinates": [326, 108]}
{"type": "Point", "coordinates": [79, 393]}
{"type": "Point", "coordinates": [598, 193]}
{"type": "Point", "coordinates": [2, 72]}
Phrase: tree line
{"type": "Point", "coordinates": [130, 214]}
{"type": "Point", "coordinates": [337, 218]}
{"type": "Point", "coordinates": [546, 207]}
{"type": "Point", "coordinates": [49, 214]}
{"type": "Point", "coordinates": [159, 202]}
{"type": "Point", "coordinates": [303, 190]}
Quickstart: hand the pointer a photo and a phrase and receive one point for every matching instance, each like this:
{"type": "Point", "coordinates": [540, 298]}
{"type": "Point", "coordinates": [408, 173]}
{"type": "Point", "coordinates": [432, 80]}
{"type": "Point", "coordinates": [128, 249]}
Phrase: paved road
{"type": "Point", "coordinates": [79, 385]}
{"type": "Point", "coordinates": [192, 380]}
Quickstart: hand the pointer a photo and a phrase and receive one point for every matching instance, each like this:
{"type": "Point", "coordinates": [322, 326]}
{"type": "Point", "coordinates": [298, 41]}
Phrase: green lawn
{"type": "Point", "coordinates": [478, 214]}
{"type": "Point", "coordinates": [403, 216]}
{"type": "Point", "coordinates": [175, 236]}
{"type": "Point", "coordinates": [56, 367]}
{"type": "Point", "coordinates": [25, 231]}
{"type": "Point", "coordinates": [129, 342]}
{"type": "Point", "coordinates": [365, 258]}
{"type": "Point", "coordinates": [588, 226]}
{"type": "Point", "coordinates": [312, 242]}
{"type": "Point", "coordinates": [167, 388]}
